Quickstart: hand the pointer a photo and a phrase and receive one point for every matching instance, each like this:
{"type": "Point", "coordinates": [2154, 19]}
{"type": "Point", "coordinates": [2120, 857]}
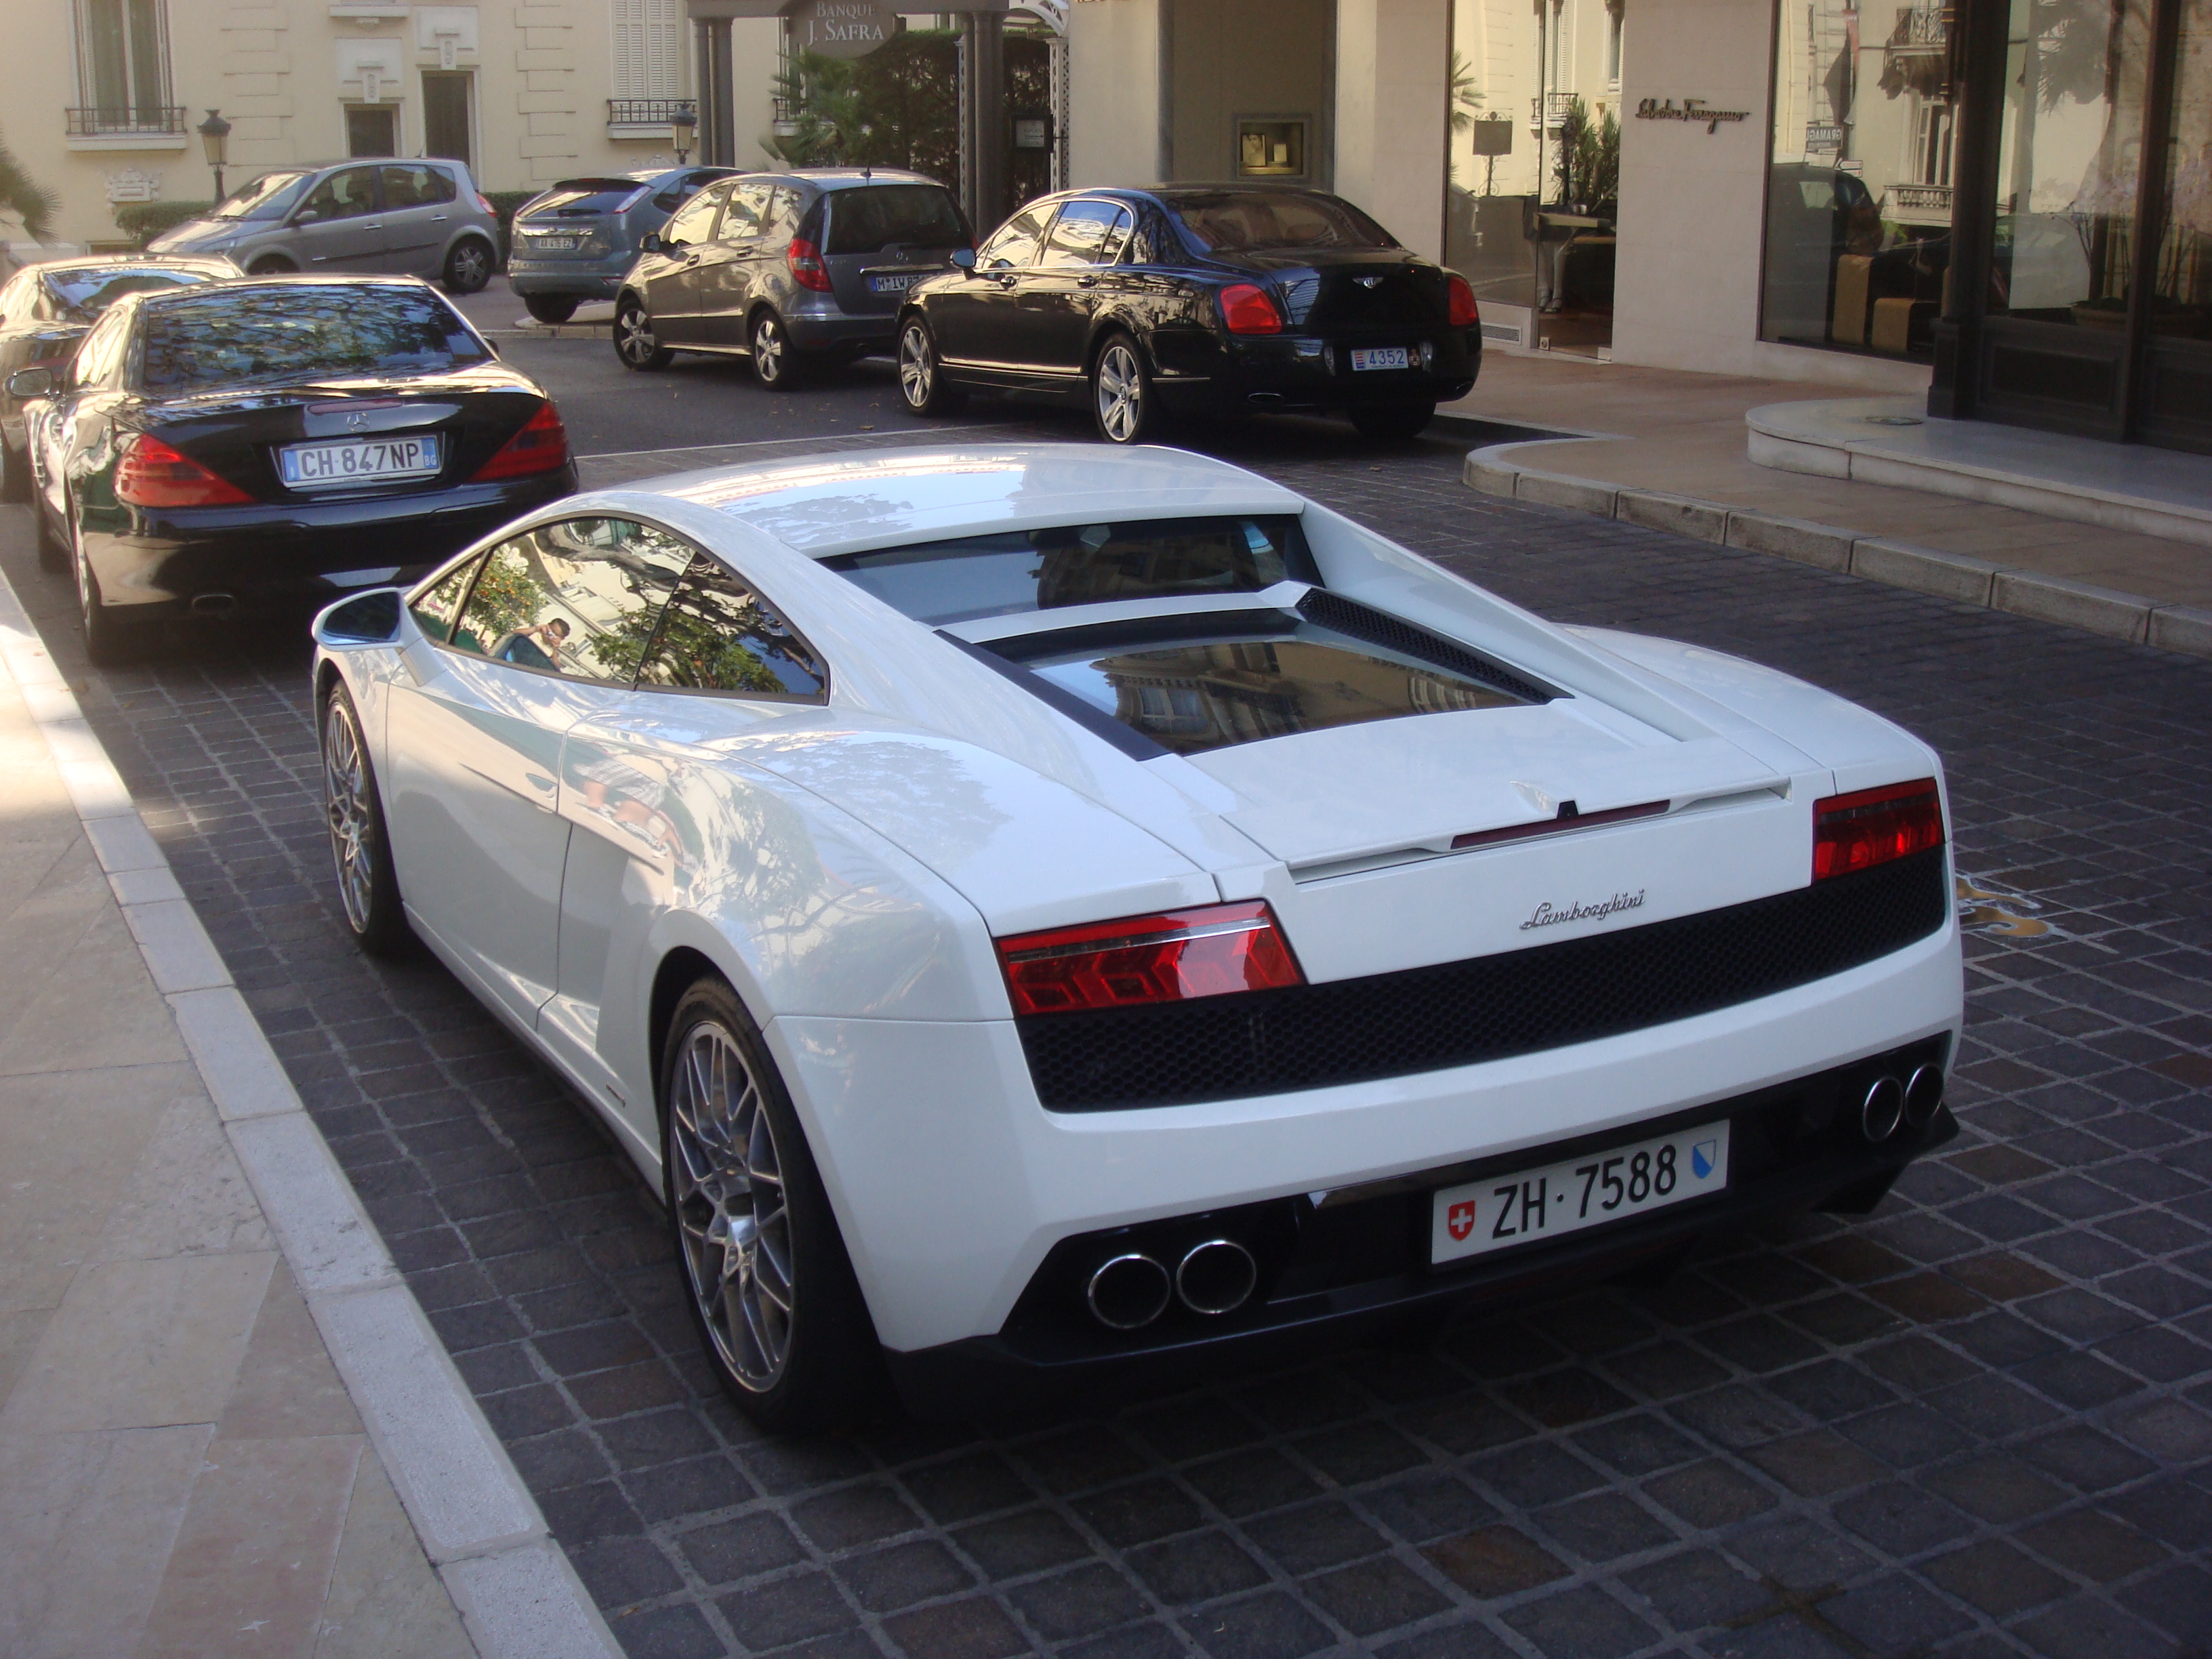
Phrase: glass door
{"type": "Point", "coordinates": [2174, 385]}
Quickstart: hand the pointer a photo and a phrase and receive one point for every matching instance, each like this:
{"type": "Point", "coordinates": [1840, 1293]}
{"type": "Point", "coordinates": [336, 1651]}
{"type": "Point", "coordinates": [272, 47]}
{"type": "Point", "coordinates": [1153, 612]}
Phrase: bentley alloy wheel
{"type": "Point", "coordinates": [1121, 392]}
{"type": "Point", "coordinates": [921, 376]}
{"type": "Point", "coordinates": [725, 1177]}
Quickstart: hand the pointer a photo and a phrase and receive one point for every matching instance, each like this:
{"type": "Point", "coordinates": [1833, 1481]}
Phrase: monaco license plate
{"type": "Point", "coordinates": [1364, 358]}
{"type": "Point", "coordinates": [552, 245]}
{"type": "Point", "coordinates": [896, 282]}
{"type": "Point", "coordinates": [373, 460]}
{"type": "Point", "coordinates": [1575, 1193]}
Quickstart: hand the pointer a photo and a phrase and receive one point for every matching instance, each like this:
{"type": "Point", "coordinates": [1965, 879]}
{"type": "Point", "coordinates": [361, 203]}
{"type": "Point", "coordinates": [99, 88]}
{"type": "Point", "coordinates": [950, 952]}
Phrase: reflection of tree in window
{"type": "Point", "coordinates": [216, 336]}
{"type": "Point", "coordinates": [718, 635]}
{"type": "Point", "coordinates": [1093, 563]}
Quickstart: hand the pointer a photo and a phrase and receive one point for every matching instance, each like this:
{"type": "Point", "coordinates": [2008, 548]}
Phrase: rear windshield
{"type": "Point", "coordinates": [1227, 681]}
{"type": "Point", "coordinates": [1231, 220]}
{"type": "Point", "coordinates": [88, 292]}
{"type": "Point", "coordinates": [576, 198]}
{"type": "Point", "coordinates": [1081, 564]}
{"type": "Point", "coordinates": [302, 331]}
{"type": "Point", "coordinates": [268, 197]}
{"type": "Point", "coordinates": [879, 217]}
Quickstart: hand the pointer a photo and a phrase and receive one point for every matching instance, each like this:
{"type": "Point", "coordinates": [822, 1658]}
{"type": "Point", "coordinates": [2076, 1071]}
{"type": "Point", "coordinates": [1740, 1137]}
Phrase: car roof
{"type": "Point", "coordinates": [133, 262]}
{"type": "Point", "coordinates": [850, 502]}
{"type": "Point", "coordinates": [293, 280]}
{"type": "Point", "coordinates": [851, 178]}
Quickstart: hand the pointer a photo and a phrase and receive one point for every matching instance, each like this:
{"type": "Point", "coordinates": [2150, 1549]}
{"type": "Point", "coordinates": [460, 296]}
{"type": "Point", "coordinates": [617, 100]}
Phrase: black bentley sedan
{"type": "Point", "coordinates": [44, 310]}
{"type": "Point", "coordinates": [229, 448]}
{"type": "Point", "coordinates": [1206, 298]}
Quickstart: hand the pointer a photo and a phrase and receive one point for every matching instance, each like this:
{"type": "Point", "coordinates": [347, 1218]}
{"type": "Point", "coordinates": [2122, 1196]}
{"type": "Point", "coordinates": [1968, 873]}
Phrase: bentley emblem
{"type": "Point", "coordinates": [1369, 281]}
{"type": "Point", "coordinates": [357, 421]}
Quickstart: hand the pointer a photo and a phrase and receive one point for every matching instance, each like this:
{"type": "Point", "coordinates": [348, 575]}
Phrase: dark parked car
{"type": "Point", "coordinates": [222, 449]}
{"type": "Point", "coordinates": [45, 311]}
{"type": "Point", "coordinates": [1215, 298]}
{"type": "Point", "coordinates": [789, 269]}
{"type": "Point", "coordinates": [576, 241]}
{"type": "Point", "coordinates": [409, 218]}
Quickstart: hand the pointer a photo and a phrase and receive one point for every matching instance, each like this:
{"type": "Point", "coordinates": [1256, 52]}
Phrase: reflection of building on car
{"type": "Point", "coordinates": [1023, 951]}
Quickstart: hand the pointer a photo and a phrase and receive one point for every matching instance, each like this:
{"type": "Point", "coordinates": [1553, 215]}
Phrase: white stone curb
{"type": "Point", "coordinates": [516, 1592]}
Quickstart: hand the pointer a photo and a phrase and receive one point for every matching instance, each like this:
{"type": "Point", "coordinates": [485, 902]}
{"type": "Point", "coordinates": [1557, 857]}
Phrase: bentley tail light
{"type": "Point", "coordinates": [807, 267]}
{"type": "Point", "coordinates": [151, 474]}
{"type": "Point", "coordinates": [1465, 313]}
{"type": "Point", "coordinates": [1248, 310]}
{"type": "Point", "coordinates": [1206, 952]}
{"type": "Point", "coordinates": [1873, 826]}
{"type": "Point", "coordinates": [540, 446]}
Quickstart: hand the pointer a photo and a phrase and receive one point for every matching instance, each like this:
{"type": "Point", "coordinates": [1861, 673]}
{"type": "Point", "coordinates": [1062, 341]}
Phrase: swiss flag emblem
{"type": "Point", "coordinates": [1460, 1219]}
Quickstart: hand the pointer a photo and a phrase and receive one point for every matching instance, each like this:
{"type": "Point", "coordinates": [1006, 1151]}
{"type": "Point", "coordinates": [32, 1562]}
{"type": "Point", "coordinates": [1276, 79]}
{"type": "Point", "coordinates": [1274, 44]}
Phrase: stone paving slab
{"type": "Point", "coordinates": [1978, 1422]}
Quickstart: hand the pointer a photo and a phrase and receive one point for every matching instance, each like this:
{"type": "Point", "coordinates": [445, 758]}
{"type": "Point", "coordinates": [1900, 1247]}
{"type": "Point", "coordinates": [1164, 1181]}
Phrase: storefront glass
{"type": "Point", "coordinates": [1858, 202]}
{"type": "Point", "coordinates": [2069, 163]}
{"type": "Point", "coordinates": [2182, 302]}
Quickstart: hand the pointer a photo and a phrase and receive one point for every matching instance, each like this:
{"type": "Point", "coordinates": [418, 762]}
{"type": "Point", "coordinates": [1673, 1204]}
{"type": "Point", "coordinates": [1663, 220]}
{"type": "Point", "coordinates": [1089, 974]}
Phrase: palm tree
{"type": "Point", "coordinates": [26, 199]}
{"type": "Point", "coordinates": [1466, 96]}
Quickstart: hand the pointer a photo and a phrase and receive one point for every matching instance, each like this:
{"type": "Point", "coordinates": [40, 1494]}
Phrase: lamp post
{"type": "Point", "coordinates": [681, 127]}
{"type": "Point", "coordinates": [215, 134]}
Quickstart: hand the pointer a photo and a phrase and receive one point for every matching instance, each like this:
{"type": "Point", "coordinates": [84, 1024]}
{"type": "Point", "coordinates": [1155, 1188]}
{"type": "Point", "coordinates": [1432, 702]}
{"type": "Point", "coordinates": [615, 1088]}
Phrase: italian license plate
{"type": "Point", "coordinates": [1554, 1199]}
{"type": "Point", "coordinates": [897, 282]}
{"type": "Point", "coordinates": [1380, 357]}
{"type": "Point", "coordinates": [374, 460]}
{"type": "Point", "coordinates": [553, 245]}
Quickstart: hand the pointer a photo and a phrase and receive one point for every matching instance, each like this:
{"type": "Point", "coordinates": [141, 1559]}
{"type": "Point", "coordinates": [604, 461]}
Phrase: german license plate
{"type": "Point", "coordinates": [1380, 357]}
{"type": "Point", "coordinates": [1555, 1198]}
{"type": "Point", "coordinates": [894, 282]}
{"type": "Point", "coordinates": [552, 245]}
{"type": "Point", "coordinates": [374, 460]}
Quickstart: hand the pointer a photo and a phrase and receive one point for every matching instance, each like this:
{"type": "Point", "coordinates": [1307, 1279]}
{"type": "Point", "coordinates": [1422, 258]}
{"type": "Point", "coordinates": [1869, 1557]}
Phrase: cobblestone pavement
{"type": "Point", "coordinates": [1977, 1423]}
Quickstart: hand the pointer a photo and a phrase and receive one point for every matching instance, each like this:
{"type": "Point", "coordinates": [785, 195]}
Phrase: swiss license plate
{"type": "Point", "coordinates": [894, 282]}
{"type": "Point", "coordinates": [1552, 1198]}
{"type": "Point", "coordinates": [373, 460]}
{"type": "Point", "coordinates": [552, 245]}
{"type": "Point", "coordinates": [1380, 357]}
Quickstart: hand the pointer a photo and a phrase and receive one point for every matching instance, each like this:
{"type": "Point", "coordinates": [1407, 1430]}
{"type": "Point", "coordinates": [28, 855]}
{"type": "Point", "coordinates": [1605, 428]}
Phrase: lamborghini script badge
{"type": "Point", "coordinates": [1549, 915]}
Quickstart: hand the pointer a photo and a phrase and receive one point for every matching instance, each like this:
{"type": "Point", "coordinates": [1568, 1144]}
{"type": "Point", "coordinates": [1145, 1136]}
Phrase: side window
{"type": "Point", "coordinates": [578, 596]}
{"type": "Point", "coordinates": [781, 222]}
{"type": "Point", "coordinates": [742, 222]}
{"type": "Point", "coordinates": [1015, 242]}
{"type": "Point", "coordinates": [102, 349]}
{"type": "Point", "coordinates": [693, 222]}
{"type": "Point", "coordinates": [433, 607]}
{"type": "Point", "coordinates": [719, 635]}
{"type": "Point", "coordinates": [1145, 245]}
{"type": "Point", "coordinates": [346, 194]}
{"type": "Point", "coordinates": [1087, 233]}
{"type": "Point", "coordinates": [415, 186]}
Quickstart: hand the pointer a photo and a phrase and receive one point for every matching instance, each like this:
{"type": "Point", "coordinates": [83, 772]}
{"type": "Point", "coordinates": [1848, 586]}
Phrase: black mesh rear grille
{"type": "Point", "coordinates": [1362, 622]}
{"type": "Point", "coordinates": [1423, 1019]}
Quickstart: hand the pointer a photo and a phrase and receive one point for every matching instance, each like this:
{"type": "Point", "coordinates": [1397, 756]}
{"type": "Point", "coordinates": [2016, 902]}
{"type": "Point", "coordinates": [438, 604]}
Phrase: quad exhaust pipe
{"type": "Point", "coordinates": [1128, 1292]}
{"type": "Point", "coordinates": [1889, 1102]}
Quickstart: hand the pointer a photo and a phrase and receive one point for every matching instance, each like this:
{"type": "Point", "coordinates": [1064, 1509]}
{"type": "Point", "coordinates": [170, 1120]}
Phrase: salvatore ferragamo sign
{"type": "Point", "coordinates": [1691, 109]}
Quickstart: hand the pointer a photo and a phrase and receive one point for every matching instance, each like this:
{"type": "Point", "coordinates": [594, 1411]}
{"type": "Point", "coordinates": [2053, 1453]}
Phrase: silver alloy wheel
{"type": "Point", "coordinates": [634, 334]}
{"type": "Point", "coordinates": [917, 367]}
{"type": "Point", "coordinates": [470, 269]}
{"type": "Point", "coordinates": [346, 804]}
{"type": "Point", "coordinates": [726, 1177]}
{"type": "Point", "coordinates": [1121, 393]}
{"type": "Point", "coordinates": [768, 349]}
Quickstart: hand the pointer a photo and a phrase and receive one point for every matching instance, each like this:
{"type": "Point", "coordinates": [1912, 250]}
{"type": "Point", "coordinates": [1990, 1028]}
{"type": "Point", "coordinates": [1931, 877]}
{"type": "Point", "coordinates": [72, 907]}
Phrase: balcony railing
{"type": "Point", "coordinates": [1554, 105]}
{"type": "Point", "coordinates": [649, 112]}
{"type": "Point", "coordinates": [143, 120]}
{"type": "Point", "coordinates": [1921, 198]}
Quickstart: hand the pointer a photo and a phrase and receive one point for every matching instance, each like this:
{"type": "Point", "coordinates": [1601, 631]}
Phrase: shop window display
{"type": "Point", "coordinates": [1858, 202]}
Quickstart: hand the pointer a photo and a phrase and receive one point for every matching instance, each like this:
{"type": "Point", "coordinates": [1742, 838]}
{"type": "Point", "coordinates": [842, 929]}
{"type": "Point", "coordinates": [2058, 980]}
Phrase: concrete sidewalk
{"type": "Point", "coordinates": [181, 1470]}
{"type": "Point", "coordinates": [1681, 438]}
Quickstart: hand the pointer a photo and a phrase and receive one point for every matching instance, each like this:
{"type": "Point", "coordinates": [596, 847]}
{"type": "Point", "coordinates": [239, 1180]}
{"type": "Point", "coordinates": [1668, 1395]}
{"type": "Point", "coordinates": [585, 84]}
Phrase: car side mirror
{"type": "Point", "coordinates": [964, 257]}
{"type": "Point", "coordinates": [651, 243]}
{"type": "Point", "coordinates": [306, 217]}
{"type": "Point", "coordinates": [32, 383]}
{"type": "Point", "coordinates": [370, 619]}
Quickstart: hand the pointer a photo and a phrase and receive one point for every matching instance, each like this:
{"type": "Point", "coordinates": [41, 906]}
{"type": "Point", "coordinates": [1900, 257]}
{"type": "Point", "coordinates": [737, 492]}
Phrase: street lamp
{"type": "Point", "coordinates": [682, 126]}
{"type": "Point", "coordinates": [215, 134]}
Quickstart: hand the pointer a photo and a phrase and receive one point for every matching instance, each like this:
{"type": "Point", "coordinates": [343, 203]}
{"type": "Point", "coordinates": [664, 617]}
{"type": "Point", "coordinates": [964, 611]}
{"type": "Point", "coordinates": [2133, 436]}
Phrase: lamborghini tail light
{"type": "Point", "coordinates": [152, 474]}
{"type": "Point", "coordinates": [1465, 313]}
{"type": "Point", "coordinates": [1206, 952]}
{"type": "Point", "coordinates": [804, 260]}
{"type": "Point", "coordinates": [540, 446]}
{"type": "Point", "coordinates": [1874, 826]}
{"type": "Point", "coordinates": [1248, 310]}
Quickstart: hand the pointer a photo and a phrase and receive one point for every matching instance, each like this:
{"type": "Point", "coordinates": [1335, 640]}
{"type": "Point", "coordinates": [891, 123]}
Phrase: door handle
{"type": "Point", "coordinates": [437, 218]}
{"type": "Point", "coordinates": [375, 227]}
{"type": "Point", "coordinates": [1086, 282]}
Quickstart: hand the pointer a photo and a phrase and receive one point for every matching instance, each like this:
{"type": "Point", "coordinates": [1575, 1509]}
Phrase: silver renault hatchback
{"type": "Point", "coordinates": [793, 270]}
{"type": "Point", "coordinates": [409, 218]}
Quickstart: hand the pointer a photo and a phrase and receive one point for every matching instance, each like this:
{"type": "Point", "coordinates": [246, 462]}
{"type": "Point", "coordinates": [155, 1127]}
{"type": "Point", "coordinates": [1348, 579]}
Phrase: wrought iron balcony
{"type": "Point", "coordinates": [649, 112]}
{"type": "Point", "coordinates": [139, 120]}
{"type": "Point", "coordinates": [1554, 105]}
{"type": "Point", "coordinates": [1921, 198]}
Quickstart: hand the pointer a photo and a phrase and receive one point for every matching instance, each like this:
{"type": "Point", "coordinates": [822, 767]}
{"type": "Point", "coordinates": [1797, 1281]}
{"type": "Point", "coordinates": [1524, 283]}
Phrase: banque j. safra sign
{"type": "Point", "coordinates": [841, 29]}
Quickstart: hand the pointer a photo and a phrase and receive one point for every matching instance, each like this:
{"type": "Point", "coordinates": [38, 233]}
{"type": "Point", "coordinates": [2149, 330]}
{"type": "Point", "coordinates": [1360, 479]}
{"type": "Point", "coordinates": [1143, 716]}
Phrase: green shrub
{"type": "Point", "coordinates": [144, 221]}
{"type": "Point", "coordinates": [504, 203]}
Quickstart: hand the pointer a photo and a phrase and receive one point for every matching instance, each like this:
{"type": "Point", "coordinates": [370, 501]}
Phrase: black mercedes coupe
{"type": "Point", "coordinates": [1210, 299]}
{"type": "Point", "coordinates": [245, 444]}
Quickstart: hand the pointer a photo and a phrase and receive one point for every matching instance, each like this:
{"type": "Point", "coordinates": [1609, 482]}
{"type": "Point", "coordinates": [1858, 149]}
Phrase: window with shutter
{"type": "Point", "coordinates": [648, 48]}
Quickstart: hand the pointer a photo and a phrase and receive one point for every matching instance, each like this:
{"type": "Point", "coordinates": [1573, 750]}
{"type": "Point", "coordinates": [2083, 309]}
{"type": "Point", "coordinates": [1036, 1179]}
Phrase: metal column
{"type": "Point", "coordinates": [983, 117]}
